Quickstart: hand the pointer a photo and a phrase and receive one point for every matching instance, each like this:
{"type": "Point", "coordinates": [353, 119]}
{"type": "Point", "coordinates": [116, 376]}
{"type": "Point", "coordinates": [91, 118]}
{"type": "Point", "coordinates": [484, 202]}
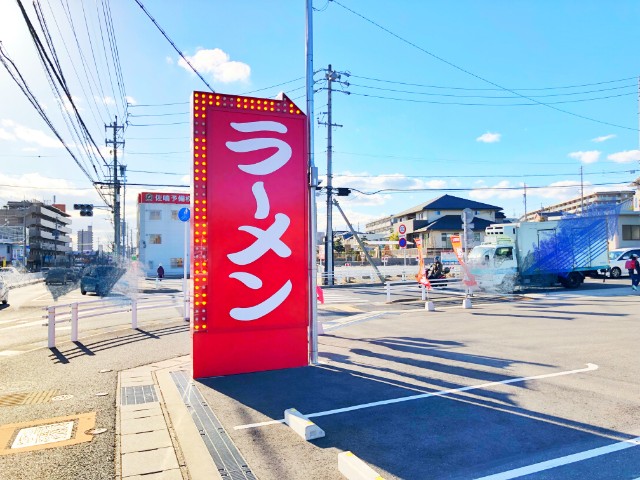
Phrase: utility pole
{"type": "Point", "coordinates": [116, 184]}
{"type": "Point", "coordinates": [123, 175]}
{"type": "Point", "coordinates": [525, 202]}
{"type": "Point", "coordinates": [581, 192]}
{"type": "Point", "coordinates": [331, 76]}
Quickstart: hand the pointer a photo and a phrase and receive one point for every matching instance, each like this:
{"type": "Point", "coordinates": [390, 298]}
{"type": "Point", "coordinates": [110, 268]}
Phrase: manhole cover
{"type": "Point", "coordinates": [43, 434]}
{"type": "Point", "coordinates": [59, 398]}
{"type": "Point", "coordinates": [27, 398]}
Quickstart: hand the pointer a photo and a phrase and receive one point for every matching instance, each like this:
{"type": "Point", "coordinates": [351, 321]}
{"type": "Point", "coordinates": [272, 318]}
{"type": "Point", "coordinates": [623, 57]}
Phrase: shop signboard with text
{"type": "Point", "coordinates": [250, 224]}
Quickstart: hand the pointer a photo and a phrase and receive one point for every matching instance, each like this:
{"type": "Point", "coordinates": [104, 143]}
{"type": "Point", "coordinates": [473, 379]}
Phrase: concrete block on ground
{"type": "Point", "coordinates": [355, 469]}
{"type": "Point", "coordinates": [141, 425]}
{"type": "Point", "coordinates": [153, 461]}
{"type": "Point", "coordinates": [466, 303]}
{"type": "Point", "coordinates": [302, 425]}
{"type": "Point", "coordinates": [138, 442]}
{"type": "Point", "coordinates": [430, 306]}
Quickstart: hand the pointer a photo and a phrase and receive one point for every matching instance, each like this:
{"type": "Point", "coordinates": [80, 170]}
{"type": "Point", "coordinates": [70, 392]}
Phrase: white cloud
{"type": "Point", "coordinates": [625, 157]}
{"type": "Point", "coordinates": [489, 137]}
{"type": "Point", "coordinates": [591, 156]}
{"type": "Point", "coordinates": [5, 135]}
{"type": "Point", "coordinates": [497, 191]}
{"type": "Point", "coordinates": [216, 62]}
{"type": "Point", "coordinates": [13, 131]}
{"type": "Point", "coordinates": [169, 60]}
{"type": "Point", "coordinates": [559, 191]}
{"type": "Point", "coordinates": [604, 138]}
{"type": "Point", "coordinates": [19, 187]}
{"type": "Point", "coordinates": [131, 100]}
{"type": "Point", "coordinates": [108, 100]}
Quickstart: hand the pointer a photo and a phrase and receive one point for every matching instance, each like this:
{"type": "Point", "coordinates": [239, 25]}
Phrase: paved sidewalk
{"type": "Point", "coordinates": [156, 438]}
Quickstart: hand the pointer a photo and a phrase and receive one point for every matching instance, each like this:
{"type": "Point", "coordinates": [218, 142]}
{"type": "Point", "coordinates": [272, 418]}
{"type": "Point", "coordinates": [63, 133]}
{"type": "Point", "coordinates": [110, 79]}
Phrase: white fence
{"type": "Point", "coordinates": [73, 312]}
{"type": "Point", "coordinates": [449, 285]}
{"type": "Point", "coordinates": [362, 274]}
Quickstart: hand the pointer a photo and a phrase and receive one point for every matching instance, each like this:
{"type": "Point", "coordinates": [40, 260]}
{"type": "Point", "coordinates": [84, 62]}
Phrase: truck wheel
{"type": "Point", "coordinates": [573, 280]}
{"type": "Point", "coordinates": [83, 292]}
{"type": "Point", "coordinates": [615, 272]}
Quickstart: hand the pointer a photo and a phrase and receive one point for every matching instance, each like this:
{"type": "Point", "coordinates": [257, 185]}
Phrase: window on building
{"type": "Point", "coordinates": [174, 215]}
{"type": "Point", "coordinates": [155, 215]}
{"type": "Point", "coordinates": [176, 262]}
{"type": "Point", "coordinates": [630, 232]}
{"type": "Point", "coordinates": [155, 239]}
{"type": "Point", "coordinates": [437, 212]}
{"type": "Point", "coordinates": [476, 237]}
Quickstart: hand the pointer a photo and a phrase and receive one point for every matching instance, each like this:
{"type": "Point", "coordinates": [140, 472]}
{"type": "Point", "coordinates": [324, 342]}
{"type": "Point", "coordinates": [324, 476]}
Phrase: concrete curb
{"type": "Point", "coordinates": [193, 450]}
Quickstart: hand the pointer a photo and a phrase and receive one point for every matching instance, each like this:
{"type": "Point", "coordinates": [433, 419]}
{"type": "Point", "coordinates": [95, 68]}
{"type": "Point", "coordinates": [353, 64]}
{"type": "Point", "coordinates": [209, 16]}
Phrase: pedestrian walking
{"type": "Point", "coordinates": [636, 275]}
{"type": "Point", "coordinates": [160, 272]}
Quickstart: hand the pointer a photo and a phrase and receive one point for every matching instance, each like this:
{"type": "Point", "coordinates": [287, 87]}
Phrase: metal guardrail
{"type": "Point", "coordinates": [73, 312]}
{"type": "Point", "coordinates": [450, 285]}
{"type": "Point", "coordinates": [355, 273]}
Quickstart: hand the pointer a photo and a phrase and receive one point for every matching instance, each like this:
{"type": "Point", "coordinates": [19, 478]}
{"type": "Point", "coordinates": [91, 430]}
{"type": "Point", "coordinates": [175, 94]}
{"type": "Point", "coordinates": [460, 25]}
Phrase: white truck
{"type": "Point", "coordinates": [540, 253]}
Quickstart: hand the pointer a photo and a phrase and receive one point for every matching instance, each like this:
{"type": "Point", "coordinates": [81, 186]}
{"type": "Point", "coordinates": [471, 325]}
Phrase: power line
{"type": "Point", "coordinates": [399, 176]}
{"type": "Point", "coordinates": [483, 187]}
{"type": "Point", "coordinates": [164, 34]}
{"type": "Point", "coordinates": [491, 89]}
{"type": "Point", "coordinates": [155, 124]}
{"type": "Point", "coordinates": [427, 52]}
{"type": "Point", "coordinates": [480, 104]}
{"type": "Point", "coordinates": [499, 97]}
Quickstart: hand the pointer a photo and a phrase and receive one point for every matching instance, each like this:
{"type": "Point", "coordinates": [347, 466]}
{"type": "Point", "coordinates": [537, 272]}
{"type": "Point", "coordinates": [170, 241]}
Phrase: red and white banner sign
{"type": "Point", "coordinates": [250, 244]}
{"type": "Point", "coordinates": [421, 277]}
{"type": "Point", "coordinates": [468, 279]}
{"type": "Point", "coordinates": [157, 197]}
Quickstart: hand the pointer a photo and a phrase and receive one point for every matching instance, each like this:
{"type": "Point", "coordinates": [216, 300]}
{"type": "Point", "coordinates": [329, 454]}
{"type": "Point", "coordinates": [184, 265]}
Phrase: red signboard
{"type": "Point", "coordinates": [158, 197]}
{"type": "Point", "coordinates": [250, 235]}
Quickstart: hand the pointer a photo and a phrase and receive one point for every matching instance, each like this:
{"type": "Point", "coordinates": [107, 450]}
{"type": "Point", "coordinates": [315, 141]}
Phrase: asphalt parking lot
{"type": "Point", "coordinates": [544, 386]}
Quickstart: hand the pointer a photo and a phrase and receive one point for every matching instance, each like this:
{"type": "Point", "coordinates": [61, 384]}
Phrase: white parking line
{"type": "Point", "coordinates": [441, 393]}
{"type": "Point", "coordinates": [558, 462]}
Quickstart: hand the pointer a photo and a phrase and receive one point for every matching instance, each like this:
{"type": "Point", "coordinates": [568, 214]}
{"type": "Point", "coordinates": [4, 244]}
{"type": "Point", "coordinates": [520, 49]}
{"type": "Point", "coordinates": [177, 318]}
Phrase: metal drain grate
{"type": "Point", "coordinates": [224, 453]}
{"type": "Point", "coordinates": [138, 394]}
{"type": "Point", "coordinates": [28, 398]}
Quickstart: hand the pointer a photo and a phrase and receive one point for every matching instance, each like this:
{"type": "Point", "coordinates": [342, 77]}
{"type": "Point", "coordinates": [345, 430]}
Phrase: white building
{"type": "Point", "coordinates": [84, 241]}
{"type": "Point", "coordinates": [161, 232]}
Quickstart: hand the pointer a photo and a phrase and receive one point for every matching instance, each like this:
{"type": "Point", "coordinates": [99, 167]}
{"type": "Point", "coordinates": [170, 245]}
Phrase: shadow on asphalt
{"type": "Point", "coordinates": [58, 291]}
{"type": "Point", "coordinates": [457, 436]}
{"type": "Point", "coordinates": [80, 349]}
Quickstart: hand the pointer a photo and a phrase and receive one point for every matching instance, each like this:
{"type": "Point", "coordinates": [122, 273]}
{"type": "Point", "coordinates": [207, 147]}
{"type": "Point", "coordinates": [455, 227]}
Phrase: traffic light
{"type": "Point", "coordinates": [86, 210]}
{"type": "Point", "coordinates": [343, 192]}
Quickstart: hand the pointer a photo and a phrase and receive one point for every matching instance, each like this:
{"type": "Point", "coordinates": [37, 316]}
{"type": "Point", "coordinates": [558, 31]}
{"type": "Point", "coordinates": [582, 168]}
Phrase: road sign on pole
{"type": "Point", "coordinates": [402, 229]}
{"type": "Point", "coordinates": [402, 242]}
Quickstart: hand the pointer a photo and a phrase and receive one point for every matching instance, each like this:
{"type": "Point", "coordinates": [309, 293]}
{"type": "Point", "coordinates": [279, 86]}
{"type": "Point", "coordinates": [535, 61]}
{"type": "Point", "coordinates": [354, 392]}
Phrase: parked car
{"type": "Point", "coordinates": [4, 292]}
{"type": "Point", "coordinates": [100, 279]}
{"type": "Point", "coordinates": [57, 275]}
{"type": "Point", "coordinates": [617, 259]}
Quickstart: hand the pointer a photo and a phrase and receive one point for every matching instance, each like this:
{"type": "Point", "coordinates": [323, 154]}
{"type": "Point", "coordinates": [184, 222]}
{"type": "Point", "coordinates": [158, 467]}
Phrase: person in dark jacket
{"type": "Point", "coordinates": [635, 273]}
{"type": "Point", "coordinates": [160, 272]}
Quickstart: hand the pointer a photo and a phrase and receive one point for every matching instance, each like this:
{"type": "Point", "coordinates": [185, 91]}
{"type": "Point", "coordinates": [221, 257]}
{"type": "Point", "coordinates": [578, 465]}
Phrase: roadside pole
{"type": "Point", "coordinates": [184, 214]}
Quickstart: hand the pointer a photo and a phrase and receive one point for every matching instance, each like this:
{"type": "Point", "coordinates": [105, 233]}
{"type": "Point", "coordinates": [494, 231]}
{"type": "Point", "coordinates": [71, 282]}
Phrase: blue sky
{"type": "Point", "coordinates": [438, 68]}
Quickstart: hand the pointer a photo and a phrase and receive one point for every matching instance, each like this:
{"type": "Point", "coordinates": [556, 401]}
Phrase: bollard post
{"type": "Point", "coordinates": [74, 322]}
{"type": "Point", "coordinates": [51, 325]}
{"type": "Point", "coordinates": [134, 313]}
{"type": "Point", "coordinates": [424, 292]}
{"type": "Point", "coordinates": [388, 288]}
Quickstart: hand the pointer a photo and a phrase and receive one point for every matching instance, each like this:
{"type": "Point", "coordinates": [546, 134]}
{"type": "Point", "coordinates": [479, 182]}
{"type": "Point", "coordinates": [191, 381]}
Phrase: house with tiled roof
{"type": "Point", "coordinates": [436, 220]}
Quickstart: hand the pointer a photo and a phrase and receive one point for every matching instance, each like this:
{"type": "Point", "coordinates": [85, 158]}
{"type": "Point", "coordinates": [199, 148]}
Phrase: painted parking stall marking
{"type": "Point", "coordinates": [558, 462]}
{"type": "Point", "coordinates": [442, 393]}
